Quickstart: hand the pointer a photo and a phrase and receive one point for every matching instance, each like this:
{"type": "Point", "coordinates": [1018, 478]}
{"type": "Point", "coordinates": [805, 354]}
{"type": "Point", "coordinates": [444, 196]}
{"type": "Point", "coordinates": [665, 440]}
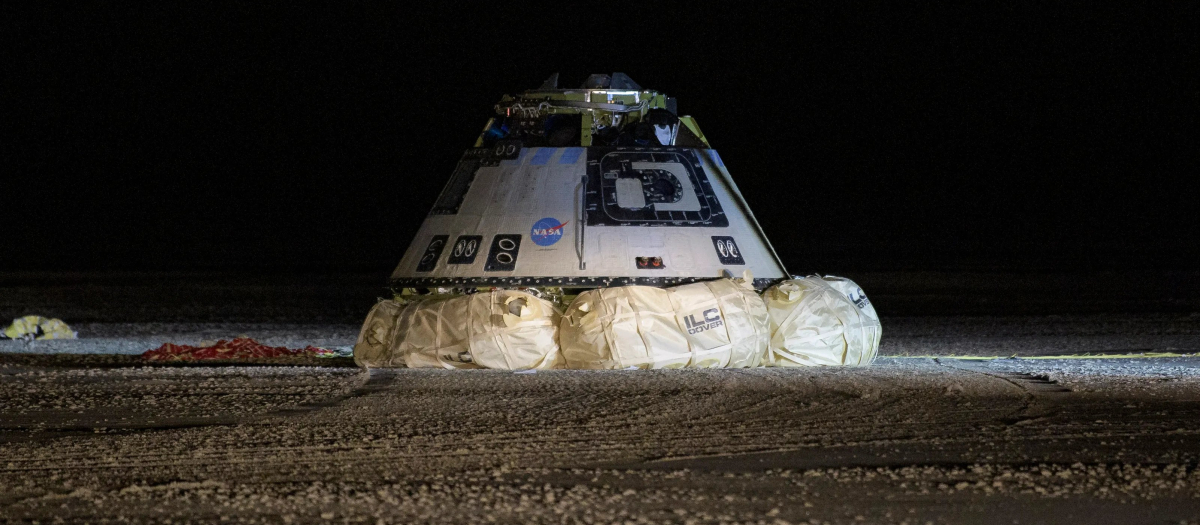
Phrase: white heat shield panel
{"type": "Point", "coordinates": [587, 217]}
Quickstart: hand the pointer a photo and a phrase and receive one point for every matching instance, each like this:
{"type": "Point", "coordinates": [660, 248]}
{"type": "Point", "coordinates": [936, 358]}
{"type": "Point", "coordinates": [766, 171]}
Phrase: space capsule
{"type": "Point", "coordinates": [603, 185]}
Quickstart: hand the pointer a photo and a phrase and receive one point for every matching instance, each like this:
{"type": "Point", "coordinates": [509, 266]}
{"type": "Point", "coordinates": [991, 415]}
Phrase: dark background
{"type": "Point", "coordinates": [903, 138]}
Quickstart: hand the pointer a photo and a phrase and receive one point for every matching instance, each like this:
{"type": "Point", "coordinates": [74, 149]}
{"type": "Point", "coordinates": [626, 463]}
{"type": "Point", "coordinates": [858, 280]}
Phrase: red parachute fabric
{"type": "Point", "coordinates": [240, 348]}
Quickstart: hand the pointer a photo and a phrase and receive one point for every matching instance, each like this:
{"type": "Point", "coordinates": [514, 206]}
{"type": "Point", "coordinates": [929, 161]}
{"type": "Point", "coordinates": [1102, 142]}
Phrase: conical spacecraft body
{"type": "Point", "coordinates": [603, 185]}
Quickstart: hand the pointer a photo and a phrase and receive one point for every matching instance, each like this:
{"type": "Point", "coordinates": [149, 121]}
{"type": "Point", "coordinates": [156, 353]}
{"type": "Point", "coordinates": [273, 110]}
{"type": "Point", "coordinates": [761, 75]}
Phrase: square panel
{"type": "Point", "coordinates": [502, 256]}
{"type": "Point", "coordinates": [432, 252]}
{"type": "Point", "coordinates": [466, 247]}
{"type": "Point", "coordinates": [650, 187]}
{"type": "Point", "coordinates": [727, 250]}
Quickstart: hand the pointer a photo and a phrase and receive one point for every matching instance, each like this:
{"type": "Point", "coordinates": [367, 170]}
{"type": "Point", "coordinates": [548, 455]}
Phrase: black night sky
{"type": "Point", "coordinates": [909, 137]}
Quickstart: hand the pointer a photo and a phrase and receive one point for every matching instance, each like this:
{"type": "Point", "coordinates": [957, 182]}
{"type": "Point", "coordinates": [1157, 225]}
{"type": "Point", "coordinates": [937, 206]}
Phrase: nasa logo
{"type": "Point", "coordinates": [547, 231]}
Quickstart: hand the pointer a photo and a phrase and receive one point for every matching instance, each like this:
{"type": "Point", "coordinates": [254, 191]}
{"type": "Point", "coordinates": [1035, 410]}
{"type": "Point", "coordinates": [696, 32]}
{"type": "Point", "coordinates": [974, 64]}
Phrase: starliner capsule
{"type": "Point", "coordinates": [604, 185]}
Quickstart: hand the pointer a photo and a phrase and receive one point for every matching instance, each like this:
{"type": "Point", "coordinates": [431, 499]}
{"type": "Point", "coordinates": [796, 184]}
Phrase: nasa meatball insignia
{"type": "Point", "coordinates": [547, 231]}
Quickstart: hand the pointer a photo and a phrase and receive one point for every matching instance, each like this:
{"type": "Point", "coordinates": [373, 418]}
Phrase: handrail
{"type": "Point", "coordinates": [580, 222]}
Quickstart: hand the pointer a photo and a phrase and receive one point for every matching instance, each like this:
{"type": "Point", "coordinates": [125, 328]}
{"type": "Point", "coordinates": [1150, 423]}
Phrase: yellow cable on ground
{"type": "Point", "coordinates": [1147, 355]}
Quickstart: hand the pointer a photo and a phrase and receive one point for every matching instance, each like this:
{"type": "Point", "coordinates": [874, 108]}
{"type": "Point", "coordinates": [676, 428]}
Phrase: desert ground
{"type": "Point", "coordinates": [930, 433]}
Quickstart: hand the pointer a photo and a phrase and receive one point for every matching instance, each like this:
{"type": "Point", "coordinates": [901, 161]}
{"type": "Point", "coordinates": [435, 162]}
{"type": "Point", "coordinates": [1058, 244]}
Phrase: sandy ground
{"type": "Point", "coordinates": [908, 440]}
{"type": "Point", "coordinates": [105, 438]}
